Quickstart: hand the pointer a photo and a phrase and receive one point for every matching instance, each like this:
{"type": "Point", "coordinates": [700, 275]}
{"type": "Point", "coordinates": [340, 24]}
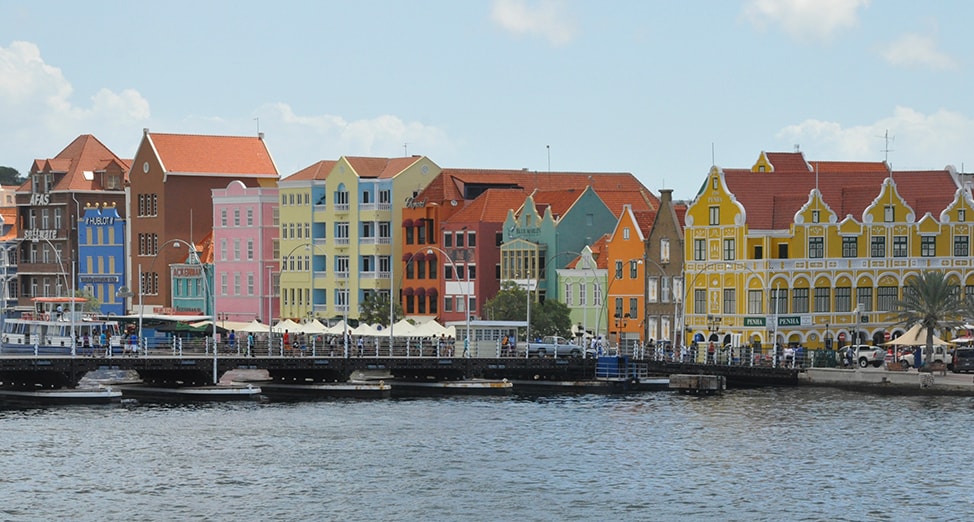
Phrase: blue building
{"type": "Point", "coordinates": [101, 256]}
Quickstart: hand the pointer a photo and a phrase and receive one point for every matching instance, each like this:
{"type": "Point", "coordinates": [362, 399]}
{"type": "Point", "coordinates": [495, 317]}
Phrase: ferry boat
{"type": "Point", "coordinates": [47, 330]}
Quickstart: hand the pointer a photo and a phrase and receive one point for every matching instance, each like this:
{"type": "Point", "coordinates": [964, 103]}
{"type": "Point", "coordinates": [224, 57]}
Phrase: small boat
{"type": "Point", "coordinates": [464, 387]}
{"type": "Point", "coordinates": [48, 329]}
{"type": "Point", "coordinates": [98, 395]}
{"type": "Point", "coordinates": [218, 393]}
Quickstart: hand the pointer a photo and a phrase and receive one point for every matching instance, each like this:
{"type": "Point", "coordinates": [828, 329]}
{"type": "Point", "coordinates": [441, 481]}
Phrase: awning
{"type": "Point", "coordinates": [406, 256]}
{"type": "Point", "coordinates": [432, 292]}
{"type": "Point", "coordinates": [408, 291]}
{"type": "Point", "coordinates": [419, 256]}
{"type": "Point", "coordinates": [420, 292]}
{"type": "Point", "coordinates": [407, 222]}
{"type": "Point", "coordinates": [431, 256]}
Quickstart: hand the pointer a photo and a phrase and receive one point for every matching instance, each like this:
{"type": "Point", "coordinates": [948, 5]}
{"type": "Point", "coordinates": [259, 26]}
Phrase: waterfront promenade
{"type": "Point", "coordinates": [910, 382]}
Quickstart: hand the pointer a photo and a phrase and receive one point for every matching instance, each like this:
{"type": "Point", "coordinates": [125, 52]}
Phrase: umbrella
{"type": "Point", "coordinates": [254, 326]}
{"type": "Point", "coordinates": [915, 336]}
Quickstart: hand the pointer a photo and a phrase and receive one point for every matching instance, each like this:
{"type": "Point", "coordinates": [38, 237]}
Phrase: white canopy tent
{"type": "Point", "coordinates": [915, 336]}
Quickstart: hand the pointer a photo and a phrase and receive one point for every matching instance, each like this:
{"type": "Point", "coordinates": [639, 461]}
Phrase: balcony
{"type": "Point", "coordinates": [342, 275]}
{"type": "Point", "coordinates": [341, 207]}
{"type": "Point", "coordinates": [341, 241]}
{"type": "Point", "coordinates": [369, 240]}
{"type": "Point", "coordinates": [369, 275]}
{"type": "Point", "coordinates": [319, 241]}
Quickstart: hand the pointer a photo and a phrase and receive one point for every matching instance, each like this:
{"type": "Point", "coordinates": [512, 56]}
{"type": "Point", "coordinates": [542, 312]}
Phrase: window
{"type": "Point", "coordinates": [250, 217]}
{"type": "Point", "coordinates": [699, 300]}
{"type": "Point", "coordinates": [250, 284]}
{"type": "Point", "coordinates": [633, 272]}
{"type": "Point", "coordinates": [236, 283]}
{"type": "Point", "coordinates": [652, 290]}
{"type": "Point", "coordinates": [633, 307]}
{"type": "Point", "coordinates": [823, 300]}
{"type": "Point", "coordinates": [448, 240]}
{"type": "Point", "coordinates": [961, 215]}
{"type": "Point", "coordinates": [448, 304]}
{"type": "Point", "coordinates": [961, 246]}
{"type": "Point", "coordinates": [730, 301]}
{"type": "Point", "coordinates": [471, 272]}
{"type": "Point", "coordinates": [730, 250]}
{"type": "Point", "coordinates": [864, 298]}
{"type": "Point", "coordinates": [886, 298]}
{"type": "Point", "coordinates": [664, 250]}
{"type": "Point", "coordinates": [843, 299]}
{"type": "Point", "coordinates": [755, 301]}
{"type": "Point", "coordinates": [460, 241]}
{"type": "Point", "coordinates": [779, 301]}
{"type": "Point", "coordinates": [928, 246]}
{"type": "Point", "coordinates": [889, 213]}
{"type": "Point", "coordinates": [815, 216]}
{"type": "Point", "coordinates": [409, 235]}
{"type": "Point", "coordinates": [569, 299]}
{"type": "Point", "coordinates": [250, 250]}
{"type": "Point", "coordinates": [699, 249]}
{"type": "Point", "coordinates": [223, 217]}
{"type": "Point", "coordinates": [877, 246]}
{"type": "Point", "coordinates": [850, 247]}
{"type": "Point", "coordinates": [471, 239]}
{"type": "Point", "coordinates": [618, 269]}
{"type": "Point", "coordinates": [236, 217]}
{"type": "Point", "coordinates": [816, 247]}
{"type": "Point", "coordinates": [625, 232]}
{"type": "Point", "coordinates": [899, 246]}
{"type": "Point", "coordinates": [714, 216]}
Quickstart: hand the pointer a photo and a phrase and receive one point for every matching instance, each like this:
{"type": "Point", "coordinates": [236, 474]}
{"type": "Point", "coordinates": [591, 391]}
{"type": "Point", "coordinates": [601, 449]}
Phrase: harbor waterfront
{"type": "Point", "coordinates": [791, 453]}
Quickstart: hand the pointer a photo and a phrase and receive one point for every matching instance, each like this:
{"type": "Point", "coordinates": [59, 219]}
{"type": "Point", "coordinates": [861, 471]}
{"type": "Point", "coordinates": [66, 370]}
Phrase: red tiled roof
{"type": "Point", "coordinates": [198, 154]}
{"type": "Point", "coordinates": [559, 201]}
{"type": "Point", "coordinates": [490, 207]}
{"type": "Point", "coordinates": [380, 167]}
{"type": "Point", "coordinates": [316, 171]}
{"type": "Point", "coordinates": [681, 215]}
{"type": "Point", "coordinates": [454, 181]}
{"type": "Point", "coordinates": [205, 249]}
{"type": "Point", "coordinates": [84, 154]}
{"type": "Point", "coordinates": [9, 218]}
{"type": "Point", "coordinates": [849, 166]}
{"type": "Point", "coordinates": [645, 220]}
{"type": "Point", "coordinates": [772, 198]}
{"type": "Point", "coordinates": [791, 161]}
{"type": "Point", "coordinates": [597, 249]}
{"type": "Point", "coordinates": [615, 200]}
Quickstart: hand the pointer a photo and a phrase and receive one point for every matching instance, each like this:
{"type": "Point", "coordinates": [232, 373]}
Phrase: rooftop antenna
{"type": "Point", "coordinates": [713, 155]}
{"type": "Point", "coordinates": [258, 125]}
{"type": "Point", "coordinates": [549, 158]}
{"type": "Point", "coordinates": [886, 150]}
{"type": "Point", "coordinates": [405, 150]}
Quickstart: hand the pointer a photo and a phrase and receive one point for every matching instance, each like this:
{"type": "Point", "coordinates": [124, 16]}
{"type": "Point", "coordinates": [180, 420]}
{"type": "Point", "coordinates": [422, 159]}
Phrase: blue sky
{"type": "Point", "coordinates": [659, 89]}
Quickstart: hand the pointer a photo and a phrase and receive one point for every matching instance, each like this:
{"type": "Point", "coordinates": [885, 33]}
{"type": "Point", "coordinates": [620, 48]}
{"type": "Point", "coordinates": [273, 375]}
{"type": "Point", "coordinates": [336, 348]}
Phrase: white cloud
{"type": "Point", "coordinates": [297, 141]}
{"type": "Point", "coordinates": [916, 50]}
{"type": "Point", "coordinates": [919, 141]}
{"type": "Point", "coordinates": [805, 19]}
{"type": "Point", "coordinates": [546, 19]}
{"type": "Point", "coordinates": [40, 118]}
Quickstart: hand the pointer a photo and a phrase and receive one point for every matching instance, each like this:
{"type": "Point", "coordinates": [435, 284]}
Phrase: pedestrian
{"type": "Point", "coordinates": [361, 346]}
{"type": "Point", "coordinates": [232, 340]}
{"type": "Point", "coordinates": [103, 343]}
{"type": "Point", "coordinates": [250, 343]}
{"type": "Point", "coordinates": [134, 343]}
{"type": "Point", "coordinates": [287, 341]}
{"type": "Point", "coordinates": [86, 345]}
{"type": "Point", "coordinates": [332, 342]}
{"type": "Point", "coordinates": [59, 311]}
{"type": "Point", "coordinates": [850, 355]}
{"type": "Point", "coordinates": [789, 357]}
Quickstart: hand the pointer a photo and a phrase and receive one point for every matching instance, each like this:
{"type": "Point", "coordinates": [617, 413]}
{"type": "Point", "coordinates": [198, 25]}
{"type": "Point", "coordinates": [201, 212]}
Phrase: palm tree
{"type": "Point", "coordinates": [930, 299]}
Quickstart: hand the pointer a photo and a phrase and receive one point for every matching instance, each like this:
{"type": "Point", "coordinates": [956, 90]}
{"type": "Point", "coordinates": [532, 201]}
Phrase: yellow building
{"type": "Point", "coordinates": [803, 252]}
{"type": "Point", "coordinates": [339, 222]}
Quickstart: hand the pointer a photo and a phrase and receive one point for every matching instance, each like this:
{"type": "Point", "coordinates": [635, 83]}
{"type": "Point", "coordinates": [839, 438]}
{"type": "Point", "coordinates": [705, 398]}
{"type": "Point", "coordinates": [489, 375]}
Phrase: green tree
{"type": "Point", "coordinates": [91, 305]}
{"type": "Point", "coordinates": [10, 176]}
{"type": "Point", "coordinates": [374, 309]}
{"type": "Point", "coordinates": [510, 304]}
{"type": "Point", "coordinates": [933, 301]}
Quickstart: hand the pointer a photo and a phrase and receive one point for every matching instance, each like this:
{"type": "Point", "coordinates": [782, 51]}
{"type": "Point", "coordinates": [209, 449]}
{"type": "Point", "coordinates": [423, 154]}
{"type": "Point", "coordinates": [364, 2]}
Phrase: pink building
{"type": "Point", "coordinates": [245, 245]}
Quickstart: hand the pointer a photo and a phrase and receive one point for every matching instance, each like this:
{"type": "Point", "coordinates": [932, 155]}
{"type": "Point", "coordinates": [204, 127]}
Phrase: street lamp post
{"type": "Point", "coordinates": [467, 294]}
{"type": "Point", "coordinates": [67, 286]}
{"type": "Point", "coordinates": [270, 314]}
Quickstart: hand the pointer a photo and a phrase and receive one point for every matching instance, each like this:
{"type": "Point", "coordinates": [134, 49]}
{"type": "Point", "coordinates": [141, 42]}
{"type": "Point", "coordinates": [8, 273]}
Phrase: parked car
{"type": "Point", "coordinates": [940, 354]}
{"type": "Point", "coordinates": [866, 355]}
{"type": "Point", "coordinates": [964, 359]}
{"type": "Point", "coordinates": [554, 345]}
